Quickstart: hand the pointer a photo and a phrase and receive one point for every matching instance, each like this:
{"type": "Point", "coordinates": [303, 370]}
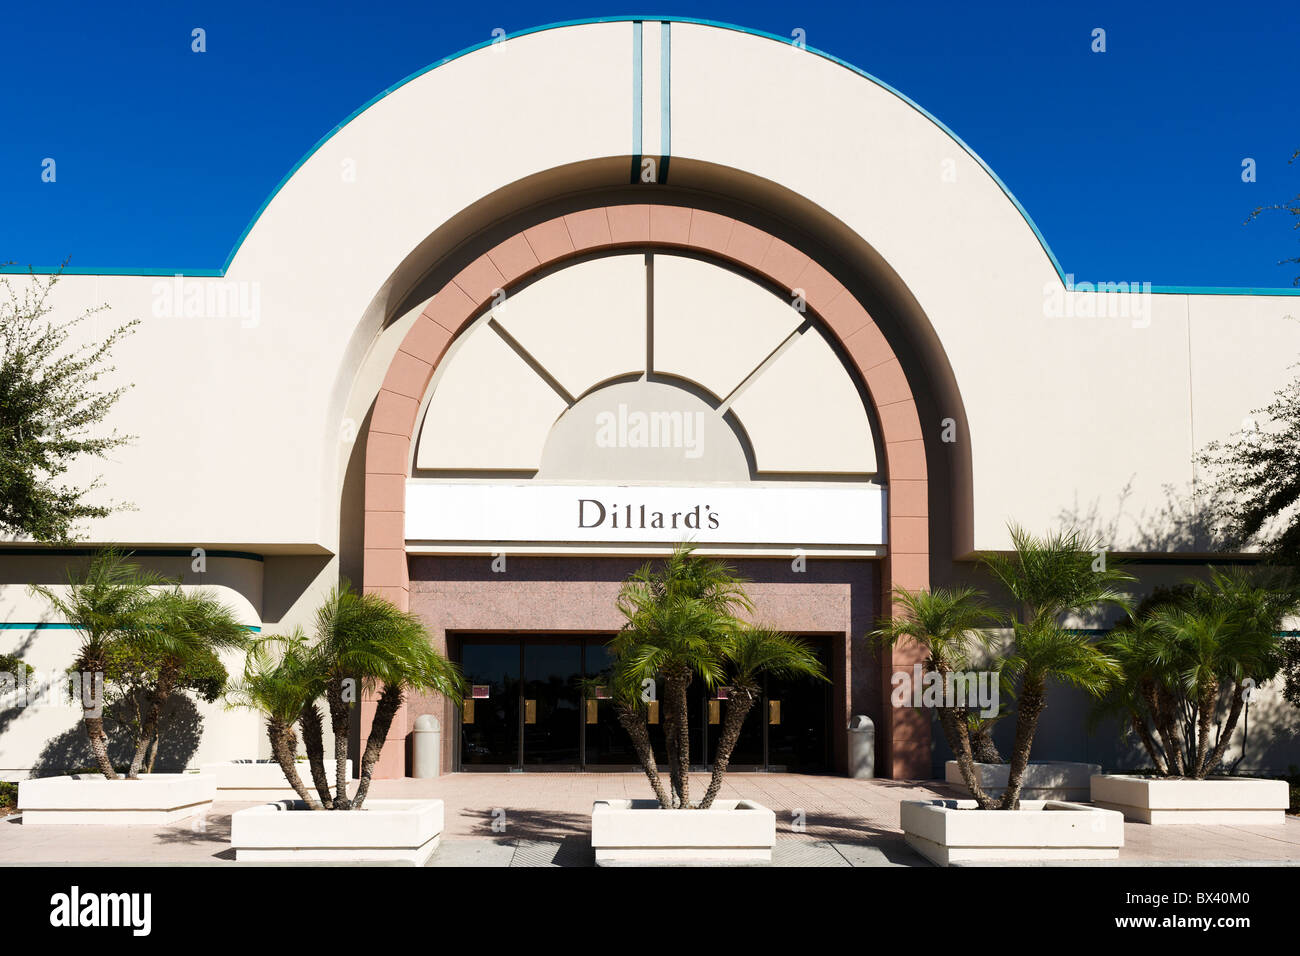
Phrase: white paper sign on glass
{"type": "Point", "coordinates": [447, 512]}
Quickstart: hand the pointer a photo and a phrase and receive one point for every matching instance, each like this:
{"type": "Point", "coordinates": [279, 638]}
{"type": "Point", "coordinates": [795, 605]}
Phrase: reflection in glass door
{"type": "Point", "coordinates": [490, 719]}
{"type": "Point", "coordinates": [542, 703]}
{"type": "Point", "coordinates": [797, 715]}
{"type": "Point", "coordinates": [605, 742]}
{"type": "Point", "coordinates": [551, 699]}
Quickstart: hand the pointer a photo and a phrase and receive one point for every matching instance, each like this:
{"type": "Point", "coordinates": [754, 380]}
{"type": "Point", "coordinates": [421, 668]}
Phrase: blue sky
{"type": "Point", "coordinates": [1129, 161]}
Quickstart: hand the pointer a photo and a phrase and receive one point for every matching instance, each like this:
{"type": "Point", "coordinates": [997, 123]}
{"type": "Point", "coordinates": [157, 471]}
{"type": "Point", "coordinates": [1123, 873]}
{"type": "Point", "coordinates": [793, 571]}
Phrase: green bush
{"type": "Point", "coordinates": [12, 665]}
{"type": "Point", "coordinates": [8, 795]}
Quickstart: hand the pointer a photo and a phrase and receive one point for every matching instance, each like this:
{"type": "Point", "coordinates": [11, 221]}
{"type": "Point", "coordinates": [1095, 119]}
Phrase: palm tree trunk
{"type": "Point", "coordinates": [1148, 742]}
{"type": "Point", "coordinates": [143, 736]}
{"type": "Point", "coordinates": [953, 722]}
{"type": "Point", "coordinates": [340, 714]}
{"type": "Point", "coordinates": [674, 768]}
{"type": "Point", "coordinates": [314, 739]}
{"type": "Point", "coordinates": [1167, 726]}
{"type": "Point", "coordinates": [284, 744]}
{"type": "Point", "coordinates": [1234, 713]}
{"type": "Point", "coordinates": [739, 703]}
{"type": "Point", "coordinates": [99, 746]}
{"type": "Point", "coordinates": [1204, 719]}
{"type": "Point", "coordinates": [1028, 709]}
{"type": "Point", "coordinates": [982, 746]}
{"type": "Point", "coordinates": [680, 736]}
{"type": "Point", "coordinates": [149, 723]}
{"type": "Point", "coordinates": [1147, 690]}
{"type": "Point", "coordinates": [633, 721]}
{"type": "Point", "coordinates": [91, 668]}
{"type": "Point", "coordinates": [390, 701]}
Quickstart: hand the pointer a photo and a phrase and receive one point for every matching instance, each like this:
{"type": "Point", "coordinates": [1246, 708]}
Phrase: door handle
{"type": "Point", "coordinates": [530, 711]}
{"type": "Point", "coordinates": [774, 712]}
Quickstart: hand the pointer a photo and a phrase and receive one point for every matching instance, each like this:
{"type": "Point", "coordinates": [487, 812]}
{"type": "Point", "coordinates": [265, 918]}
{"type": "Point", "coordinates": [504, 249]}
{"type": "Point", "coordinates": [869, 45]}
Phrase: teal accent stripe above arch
{"type": "Point", "coordinates": [665, 98]}
{"type": "Point", "coordinates": [636, 20]}
{"type": "Point", "coordinates": [636, 99]}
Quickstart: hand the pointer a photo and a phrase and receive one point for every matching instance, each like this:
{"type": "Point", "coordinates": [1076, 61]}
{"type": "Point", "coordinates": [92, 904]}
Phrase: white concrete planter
{"type": "Point", "coordinates": [1043, 780]}
{"type": "Point", "coordinates": [1161, 800]}
{"type": "Point", "coordinates": [383, 831]}
{"type": "Point", "coordinates": [261, 780]}
{"type": "Point", "coordinates": [955, 831]}
{"type": "Point", "coordinates": [631, 832]}
{"type": "Point", "coordinates": [155, 799]}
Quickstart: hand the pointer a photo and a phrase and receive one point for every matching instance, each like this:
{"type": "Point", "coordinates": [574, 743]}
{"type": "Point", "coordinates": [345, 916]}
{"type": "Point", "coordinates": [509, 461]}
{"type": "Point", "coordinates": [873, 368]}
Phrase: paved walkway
{"type": "Point", "coordinates": [544, 819]}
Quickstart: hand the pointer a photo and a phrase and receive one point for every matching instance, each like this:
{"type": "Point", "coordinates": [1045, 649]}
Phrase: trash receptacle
{"type": "Point", "coordinates": [862, 747]}
{"type": "Point", "coordinates": [426, 746]}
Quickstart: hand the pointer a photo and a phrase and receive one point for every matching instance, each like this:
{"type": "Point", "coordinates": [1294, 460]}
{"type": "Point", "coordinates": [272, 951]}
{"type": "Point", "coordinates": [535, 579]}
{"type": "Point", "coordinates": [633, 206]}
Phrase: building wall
{"type": "Point", "coordinates": [250, 388]}
{"type": "Point", "coordinates": [329, 275]}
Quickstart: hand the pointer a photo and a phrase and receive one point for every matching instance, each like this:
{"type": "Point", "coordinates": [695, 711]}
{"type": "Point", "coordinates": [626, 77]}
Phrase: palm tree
{"type": "Point", "coordinates": [1045, 651]}
{"type": "Point", "coordinates": [1133, 697]}
{"type": "Point", "coordinates": [182, 627]}
{"type": "Point", "coordinates": [279, 682]}
{"type": "Point", "coordinates": [679, 621]}
{"type": "Point", "coordinates": [1048, 578]}
{"type": "Point", "coordinates": [950, 626]}
{"type": "Point", "coordinates": [108, 600]}
{"type": "Point", "coordinates": [751, 653]}
{"type": "Point", "coordinates": [1183, 646]}
{"type": "Point", "coordinates": [1223, 635]}
{"type": "Point", "coordinates": [363, 642]}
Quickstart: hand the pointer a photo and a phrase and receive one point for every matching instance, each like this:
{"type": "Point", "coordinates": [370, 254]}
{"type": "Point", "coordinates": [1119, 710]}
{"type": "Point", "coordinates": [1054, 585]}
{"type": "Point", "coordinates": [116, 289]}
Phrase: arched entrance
{"type": "Point", "coordinates": [458, 317]}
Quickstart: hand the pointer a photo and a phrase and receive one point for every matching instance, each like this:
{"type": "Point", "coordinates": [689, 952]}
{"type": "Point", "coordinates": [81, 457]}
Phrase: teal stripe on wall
{"type": "Point", "coordinates": [636, 98]}
{"type": "Point", "coordinates": [665, 98]}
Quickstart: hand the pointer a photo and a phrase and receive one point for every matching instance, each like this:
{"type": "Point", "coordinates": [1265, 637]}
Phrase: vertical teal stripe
{"type": "Point", "coordinates": [665, 98]}
{"type": "Point", "coordinates": [636, 99]}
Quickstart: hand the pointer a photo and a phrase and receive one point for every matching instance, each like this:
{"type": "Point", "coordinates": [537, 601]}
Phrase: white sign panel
{"type": "Point", "coordinates": [528, 513]}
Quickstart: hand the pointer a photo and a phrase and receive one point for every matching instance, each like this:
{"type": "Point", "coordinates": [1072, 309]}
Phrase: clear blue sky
{"type": "Point", "coordinates": [1128, 161]}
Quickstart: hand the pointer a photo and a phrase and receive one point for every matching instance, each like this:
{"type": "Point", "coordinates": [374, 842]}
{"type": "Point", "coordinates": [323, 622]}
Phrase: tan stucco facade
{"type": "Point", "coordinates": [842, 292]}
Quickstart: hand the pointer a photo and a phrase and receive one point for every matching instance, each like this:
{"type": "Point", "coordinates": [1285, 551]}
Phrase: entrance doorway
{"type": "Point", "coordinates": [539, 703]}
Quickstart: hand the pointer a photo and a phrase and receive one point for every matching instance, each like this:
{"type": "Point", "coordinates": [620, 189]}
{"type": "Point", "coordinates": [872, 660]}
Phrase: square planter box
{"type": "Point", "coordinates": [956, 831]}
{"type": "Point", "coordinates": [1043, 780]}
{"type": "Point", "coordinates": [383, 831]}
{"type": "Point", "coordinates": [156, 799]}
{"type": "Point", "coordinates": [261, 780]}
{"type": "Point", "coordinates": [639, 832]}
{"type": "Point", "coordinates": [1160, 800]}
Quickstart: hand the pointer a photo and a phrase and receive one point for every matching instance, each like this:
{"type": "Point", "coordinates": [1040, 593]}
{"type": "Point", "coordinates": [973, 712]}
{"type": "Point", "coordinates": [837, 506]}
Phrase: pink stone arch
{"type": "Point", "coordinates": [906, 739]}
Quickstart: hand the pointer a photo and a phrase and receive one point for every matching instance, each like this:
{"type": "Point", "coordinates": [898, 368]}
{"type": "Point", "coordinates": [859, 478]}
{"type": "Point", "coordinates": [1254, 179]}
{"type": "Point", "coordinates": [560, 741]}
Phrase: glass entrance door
{"type": "Point", "coordinates": [551, 701]}
{"type": "Point", "coordinates": [541, 703]}
{"type": "Point", "coordinates": [797, 715]}
{"type": "Point", "coordinates": [489, 722]}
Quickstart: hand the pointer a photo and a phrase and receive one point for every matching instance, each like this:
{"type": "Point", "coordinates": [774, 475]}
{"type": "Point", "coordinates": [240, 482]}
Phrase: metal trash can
{"type": "Point", "coordinates": [426, 746]}
{"type": "Point", "coordinates": [862, 747]}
